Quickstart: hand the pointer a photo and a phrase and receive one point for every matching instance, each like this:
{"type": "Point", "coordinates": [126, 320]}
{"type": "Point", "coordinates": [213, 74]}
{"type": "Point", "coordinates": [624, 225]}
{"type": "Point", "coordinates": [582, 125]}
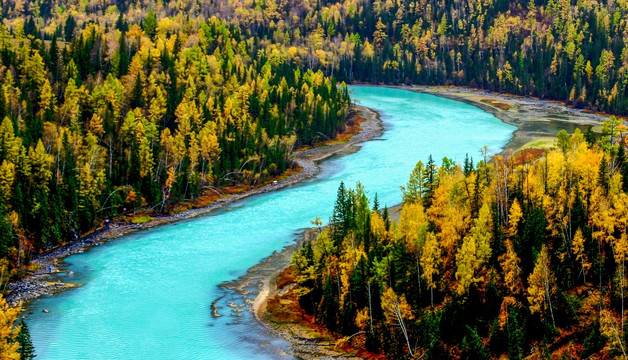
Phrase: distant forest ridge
{"type": "Point", "coordinates": [562, 50]}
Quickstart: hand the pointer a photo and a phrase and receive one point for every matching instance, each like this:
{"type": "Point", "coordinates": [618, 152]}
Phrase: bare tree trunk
{"type": "Point", "coordinates": [547, 292]}
{"type": "Point", "coordinates": [621, 345]}
{"type": "Point", "coordinates": [418, 274]}
{"type": "Point", "coordinates": [402, 325]}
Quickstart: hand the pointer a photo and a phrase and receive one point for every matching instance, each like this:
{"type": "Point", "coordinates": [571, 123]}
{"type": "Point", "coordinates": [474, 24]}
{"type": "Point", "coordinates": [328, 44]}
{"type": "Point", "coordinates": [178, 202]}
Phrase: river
{"type": "Point", "coordinates": [148, 295]}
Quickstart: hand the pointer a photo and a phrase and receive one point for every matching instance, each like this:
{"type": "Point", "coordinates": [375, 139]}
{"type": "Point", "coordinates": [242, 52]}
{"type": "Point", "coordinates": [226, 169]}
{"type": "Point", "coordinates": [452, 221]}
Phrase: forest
{"type": "Point", "coordinates": [573, 51]}
{"type": "Point", "coordinates": [115, 105]}
{"type": "Point", "coordinates": [517, 255]}
{"type": "Point", "coordinates": [120, 119]}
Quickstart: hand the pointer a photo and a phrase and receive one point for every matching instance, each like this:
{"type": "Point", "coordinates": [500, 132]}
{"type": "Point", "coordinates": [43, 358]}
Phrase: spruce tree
{"type": "Point", "coordinates": [68, 30]}
{"type": "Point", "coordinates": [376, 203]}
{"type": "Point", "coordinates": [339, 218]}
{"type": "Point", "coordinates": [150, 24]}
{"type": "Point", "coordinates": [589, 135]}
{"type": "Point", "coordinates": [468, 165]}
{"type": "Point", "coordinates": [623, 165]}
{"type": "Point", "coordinates": [473, 346]}
{"type": "Point", "coordinates": [6, 232]}
{"type": "Point", "coordinates": [26, 349]}
{"type": "Point", "coordinates": [429, 184]}
{"type": "Point", "coordinates": [603, 174]}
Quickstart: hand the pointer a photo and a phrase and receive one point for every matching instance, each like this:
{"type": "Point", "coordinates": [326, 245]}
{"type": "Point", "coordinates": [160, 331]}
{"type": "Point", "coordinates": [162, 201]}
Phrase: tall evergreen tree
{"type": "Point", "coordinates": [26, 349]}
{"type": "Point", "coordinates": [429, 182]}
{"type": "Point", "coordinates": [623, 165]}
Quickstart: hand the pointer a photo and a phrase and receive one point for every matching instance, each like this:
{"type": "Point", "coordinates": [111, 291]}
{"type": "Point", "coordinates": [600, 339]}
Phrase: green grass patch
{"type": "Point", "coordinates": [540, 143]}
{"type": "Point", "coordinates": [142, 219]}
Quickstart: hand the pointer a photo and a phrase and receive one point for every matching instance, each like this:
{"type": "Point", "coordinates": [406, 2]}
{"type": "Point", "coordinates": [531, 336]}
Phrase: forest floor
{"type": "Point", "coordinates": [277, 304]}
{"type": "Point", "coordinates": [362, 124]}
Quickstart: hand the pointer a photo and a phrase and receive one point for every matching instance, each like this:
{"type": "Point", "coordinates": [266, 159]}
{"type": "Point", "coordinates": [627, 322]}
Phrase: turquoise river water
{"type": "Point", "coordinates": [148, 295]}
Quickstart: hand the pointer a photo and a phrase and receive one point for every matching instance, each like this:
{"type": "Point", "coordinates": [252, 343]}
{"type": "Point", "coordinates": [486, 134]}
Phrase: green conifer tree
{"type": "Point", "coordinates": [26, 349]}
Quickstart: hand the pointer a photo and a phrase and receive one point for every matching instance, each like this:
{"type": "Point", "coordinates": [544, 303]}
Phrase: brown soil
{"type": "Point", "coordinates": [527, 155]}
{"type": "Point", "coordinates": [496, 103]}
{"type": "Point", "coordinates": [283, 314]}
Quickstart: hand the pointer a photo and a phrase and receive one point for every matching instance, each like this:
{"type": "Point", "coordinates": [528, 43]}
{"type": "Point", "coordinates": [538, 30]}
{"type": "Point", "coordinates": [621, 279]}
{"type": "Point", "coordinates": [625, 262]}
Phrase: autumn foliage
{"type": "Point", "coordinates": [123, 118]}
{"type": "Point", "coordinates": [509, 258]}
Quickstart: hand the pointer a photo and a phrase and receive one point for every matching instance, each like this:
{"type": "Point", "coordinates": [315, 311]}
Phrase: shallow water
{"type": "Point", "coordinates": [148, 295]}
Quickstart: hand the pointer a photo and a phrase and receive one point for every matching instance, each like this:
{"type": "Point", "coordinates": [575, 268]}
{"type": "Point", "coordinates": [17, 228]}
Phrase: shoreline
{"type": "Point", "coordinates": [305, 342]}
{"type": "Point", "coordinates": [310, 343]}
{"type": "Point", "coordinates": [42, 282]}
{"type": "Point", "coordinates": [536, 120]}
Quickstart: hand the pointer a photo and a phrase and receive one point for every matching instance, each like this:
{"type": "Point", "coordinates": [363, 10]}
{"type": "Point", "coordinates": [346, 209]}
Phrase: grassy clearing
{"type": "Point", "coordinates": [540, 143]}
{"type": "Point", "coordinates": [142, 219]}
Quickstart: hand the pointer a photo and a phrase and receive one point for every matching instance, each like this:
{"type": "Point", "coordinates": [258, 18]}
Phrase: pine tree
{"type": "Point", "coordinates": [603, 174]}
{"type": "Point", "coordinates": [376, 203]}
{"type": "Point", "coordinates": [150, 24]}
{"type": "Point", "coordinates": [70, 25]}
{"type": "Point", "coordinates": [429, 182]}
{"type": "Point", "coordinates": [473, 346]}
{"type": "Point", "coordinates": [589, 135]}
{"type": "Point", "coordinates": [26, 349]}
{"type": "Point", "coordinates": [468, 165]}
{"type": "Point", "coordinates": [623, 165]}
{"type": "Point", "coordinates": [329, 306]}
{"type": "Point", "coordinates": [53, 56]}
{"type": "Point", "coordinates": [6, 231]}
{"type": "Point", "coordinates": [339, 220]}
{"type": "Point", "coordinates": [123, 56]}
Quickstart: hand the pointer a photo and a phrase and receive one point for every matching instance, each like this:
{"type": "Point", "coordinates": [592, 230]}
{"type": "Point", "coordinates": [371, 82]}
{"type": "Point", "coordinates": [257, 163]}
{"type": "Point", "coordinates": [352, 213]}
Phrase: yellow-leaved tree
{"type": "Point", "coordinates": [9, 330]}
{"type": "Point", "coordinates": [579, 252]}
{"type": "Point", "coordinates": [430, 260]}
{"type": "Point", "coordinates": [509, 262]}
{"type": "Point", "coordinates": [466, 263]}
{"type": "Point", "coordinates": [397, 311]}
{"type": "Point", "coordinates": [514, 217]}
{"type": "Point", "coordinates": [541, 285]}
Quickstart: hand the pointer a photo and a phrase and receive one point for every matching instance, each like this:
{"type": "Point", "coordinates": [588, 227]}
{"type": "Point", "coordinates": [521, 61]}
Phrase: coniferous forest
{"type": "Point", "coordinates": [111, 107]}
{"type": "Point", "coordinates": [512, 257]}
{"type": "Point", "coordinates": [111, 120]}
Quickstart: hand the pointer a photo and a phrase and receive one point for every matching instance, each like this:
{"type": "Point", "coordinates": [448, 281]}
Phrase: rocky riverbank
{"type": "Point", "coordinates": [45, 281]}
